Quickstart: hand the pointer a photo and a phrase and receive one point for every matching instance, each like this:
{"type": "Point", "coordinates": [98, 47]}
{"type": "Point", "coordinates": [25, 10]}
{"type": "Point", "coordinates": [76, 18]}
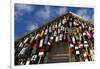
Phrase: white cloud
{"type": "Point", "coordinates": [84, 13]}
{"type": "Point", "coordinates": [24, 7]}
{"type": "Point", "coordinates": [21, 9]}
{"type": "Point", "coordinates": [44, 13]}
{"type": "Point", "coordinates": [47, 12]}
{"type": "Point", "coordinates": [31, 26]}
{"type": "Point", "coordinates": [62, 10]}
{"type": "Point", "coordinates": [92, 19]}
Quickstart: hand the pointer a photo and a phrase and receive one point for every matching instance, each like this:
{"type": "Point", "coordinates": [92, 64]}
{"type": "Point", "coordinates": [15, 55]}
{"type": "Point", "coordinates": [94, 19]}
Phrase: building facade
{"type": "Point", "coordinates": [68, 38]}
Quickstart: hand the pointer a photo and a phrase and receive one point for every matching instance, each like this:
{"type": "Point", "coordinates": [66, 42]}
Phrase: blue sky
{"type": "Point", "coordinates": [29, 17]}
